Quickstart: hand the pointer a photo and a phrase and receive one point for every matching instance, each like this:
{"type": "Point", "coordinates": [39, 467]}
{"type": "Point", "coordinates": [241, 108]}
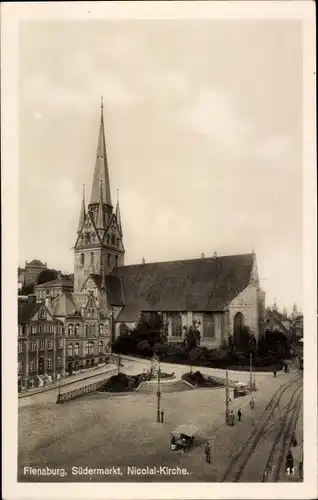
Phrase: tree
{"type": "Point", "coordinates": [47, 275]}
{"type": "Point", "coordinates": [149, 327]}
{"type": "Point", "coordinates": [26, 290]}
{"type": "Point", "coordinates": [192, 336]}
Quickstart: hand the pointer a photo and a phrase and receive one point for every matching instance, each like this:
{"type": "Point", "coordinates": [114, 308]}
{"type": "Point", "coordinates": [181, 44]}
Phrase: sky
{"type": "Point", "coordinates": [203, 123]}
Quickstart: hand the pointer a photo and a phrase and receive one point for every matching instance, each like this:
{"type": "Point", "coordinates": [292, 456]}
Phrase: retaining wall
{"type": "Point", "coordinates": [80, 391]}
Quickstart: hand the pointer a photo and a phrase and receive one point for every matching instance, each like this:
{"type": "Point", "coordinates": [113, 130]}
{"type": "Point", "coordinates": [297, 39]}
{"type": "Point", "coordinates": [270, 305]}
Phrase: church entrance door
{"type": "Point", "coordinates": [70, 368]}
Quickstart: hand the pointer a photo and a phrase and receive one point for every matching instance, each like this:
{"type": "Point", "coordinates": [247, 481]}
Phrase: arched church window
{"type": "Point", "coordinates": [238, 327]}
{"type": "Point", "coordinates": [77, 327]}
{"type": "Point", "coordinates": [94, 329]}
{"type": "Point", "coordinates": [70, 330]}
{"type": "Point", "coordinates": [92, 257]}
{"type": "Point", "coordinates": [113, 240]}
{"type": "Point", "coordinates": [86, 330]}
{"type": "Point", "coordinates": [70, 350]}
{"type": "Point", "coordinates": [117, 242]}
{"type": "Point", "coordinates": [108, 239]}
{"type": "Point", "coordinates": [100, 346]}
{"type": "Point", "coordinates": [76, 350]}
{"type": "Point", "coordinates": [82, 259]}
{"type": "Point", "coordinates": [101, 329]}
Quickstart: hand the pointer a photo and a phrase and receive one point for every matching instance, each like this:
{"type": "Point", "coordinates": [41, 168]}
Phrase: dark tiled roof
{"type": "Point", "coordinates": [64, 282]}
{"type": "Point", "coordinates": [272, 319]}
{"type": "Point", "coordinates": [26, 310]}
{"type": "Point", "coordinates": [35, 262]}
{"type": "Point", "coordinates": [207, 284]}
{"type": "Point", "coordinates": [113, 288]}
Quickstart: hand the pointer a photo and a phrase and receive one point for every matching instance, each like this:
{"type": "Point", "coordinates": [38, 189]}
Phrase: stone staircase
{"type": "Point", "coordinates": [165, 387]}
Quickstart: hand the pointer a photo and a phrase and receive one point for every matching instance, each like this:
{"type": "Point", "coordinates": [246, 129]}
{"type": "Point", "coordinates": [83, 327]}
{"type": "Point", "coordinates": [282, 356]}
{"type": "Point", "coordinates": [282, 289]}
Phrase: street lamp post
{"type": "Point", "coordinates": [226, 397]}
{"type": "Point", "coordinates": [251, 372]}
{"type": "Point", "coordinates": [158, 395]}
{"type": "Point", "coordinates": [59, 387]}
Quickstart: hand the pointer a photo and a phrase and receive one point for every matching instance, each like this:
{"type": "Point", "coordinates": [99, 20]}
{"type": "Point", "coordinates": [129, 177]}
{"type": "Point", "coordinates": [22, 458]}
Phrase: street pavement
{"type": "Point", "coordinates": [103, 430]}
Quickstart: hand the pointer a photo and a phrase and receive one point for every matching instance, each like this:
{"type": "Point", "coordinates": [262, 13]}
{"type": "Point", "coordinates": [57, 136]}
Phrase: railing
{"type": "Point", "coordinates": [76, 393]}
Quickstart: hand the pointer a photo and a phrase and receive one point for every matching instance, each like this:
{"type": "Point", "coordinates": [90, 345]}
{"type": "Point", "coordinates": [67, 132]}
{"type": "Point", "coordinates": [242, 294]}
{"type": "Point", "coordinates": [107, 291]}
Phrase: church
{"type": "Point", "coordinates": [221, 294]}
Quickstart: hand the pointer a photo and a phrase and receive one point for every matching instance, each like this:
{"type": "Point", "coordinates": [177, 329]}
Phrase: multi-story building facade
{"type": "Point", "coordinates": [29, 275]}
{"type": "Point", "coordinates": [41, 344]}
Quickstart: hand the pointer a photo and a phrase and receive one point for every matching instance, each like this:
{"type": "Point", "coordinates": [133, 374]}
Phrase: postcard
{"type": "Point", "coordinates": [159, 263]}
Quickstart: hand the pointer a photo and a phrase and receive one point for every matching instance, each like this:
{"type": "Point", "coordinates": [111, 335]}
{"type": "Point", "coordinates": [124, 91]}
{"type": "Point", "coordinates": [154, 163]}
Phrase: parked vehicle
{"type": "Point", "coordinates": [183, 437]}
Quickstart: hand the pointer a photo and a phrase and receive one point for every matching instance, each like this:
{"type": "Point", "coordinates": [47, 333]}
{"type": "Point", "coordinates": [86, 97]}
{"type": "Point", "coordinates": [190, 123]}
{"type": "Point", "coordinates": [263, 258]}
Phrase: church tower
{"type": "Point", "coordinates": [99, 244]}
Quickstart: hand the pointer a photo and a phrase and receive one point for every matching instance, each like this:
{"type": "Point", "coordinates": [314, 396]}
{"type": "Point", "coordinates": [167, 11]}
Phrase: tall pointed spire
{"type": "Point", "coordinates": [82, 212]}
{"type": "Point", "coordinates": [100, 214]}
{"type": "Point", "coordinates": [118, 218]}
{"type": "Point", "coordinates": [101, 173]}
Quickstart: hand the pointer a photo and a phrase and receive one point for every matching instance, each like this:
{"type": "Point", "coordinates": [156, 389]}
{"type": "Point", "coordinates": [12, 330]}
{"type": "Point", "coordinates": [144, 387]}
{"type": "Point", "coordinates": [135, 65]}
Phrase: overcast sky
{"type": "Point", "coordinates": [203, 126]}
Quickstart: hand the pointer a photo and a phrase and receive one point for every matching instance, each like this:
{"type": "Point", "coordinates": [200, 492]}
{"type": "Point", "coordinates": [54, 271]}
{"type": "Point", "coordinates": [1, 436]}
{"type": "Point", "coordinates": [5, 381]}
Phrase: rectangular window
{"type": "Point", "coordinates": [20, 367]}
{"type": "Point", "coordinates": [42, 328]}
{"type": "Point", "coordinates": [50, 329]}
{"type": "Point", "coordinates": [42, 313]}
{"type": "Point", "coordinates": [208, 326]}
{"type": "Point", "coordinates": [33, 329]}
{"type": "Point", "coordinates": [32, 365]}
{"type": "Point", "coordinates": [58, 361]}
{"type": "Point", "coordinates": [49, 363]}
{"type": "Point", "coordinates": [50, 345]}
{"type": "Point", "coordinates": [20, 347]}
{"type": "Point", "coordinates": [42, 344]}
{"type": "Point", "coordinates": [20, 330]}
{"type": "Point", "coordinates": [32, 346]}
{"type": "Point", "coordinates": [176, 325]}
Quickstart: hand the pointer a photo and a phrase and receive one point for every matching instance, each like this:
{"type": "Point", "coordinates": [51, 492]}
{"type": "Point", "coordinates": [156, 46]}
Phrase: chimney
{"type": "Point", "coordinates": [202, 255]}
{"type": "Point", "coordinates": [143, 261]}
{"type": "Point", "coordinates": [215, 255]}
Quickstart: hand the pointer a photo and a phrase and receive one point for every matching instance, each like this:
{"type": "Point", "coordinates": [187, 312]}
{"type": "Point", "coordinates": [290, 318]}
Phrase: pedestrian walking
{"type": "Point", "coordinates": [252, 404]}
{"type": "Point", "coordinates": [275, 372]}
{"type": "Point", "coordinates": [239, 415]}
{"type": "Point", "coordinates": [208, 453]}
{"type": "Point", "coordinates": [162, 416]}
{"type": "Point", "coordinates": [289, 463]}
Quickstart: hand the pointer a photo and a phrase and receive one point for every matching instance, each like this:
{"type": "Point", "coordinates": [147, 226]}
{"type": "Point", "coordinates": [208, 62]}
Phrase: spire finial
{"type": "Point", "coordinates": [117, 196]}
{"type": "Point", "coordinates": [84, 193]}
{"type": "Point", "coordinates": [102, 102]}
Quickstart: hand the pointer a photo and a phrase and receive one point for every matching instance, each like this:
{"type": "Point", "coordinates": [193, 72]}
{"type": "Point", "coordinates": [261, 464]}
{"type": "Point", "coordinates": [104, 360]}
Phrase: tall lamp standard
{"type": "Point", "coordinates": [227, 410]}
{"type": "Point", "coordinates": [251, 372]}
{"type": "Point", "coordinates": [158, 394]}
{"type": "Point", "coordinates": [59, 386]}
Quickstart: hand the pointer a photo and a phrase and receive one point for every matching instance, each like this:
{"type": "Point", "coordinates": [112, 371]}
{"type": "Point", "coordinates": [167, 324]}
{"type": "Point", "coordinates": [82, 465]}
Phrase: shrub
{"type": "Point", "coordinates": [116, 383]}
{"type": "Point", "coordinates": [143, 345]}
{"type": "Point", "coordinates": [218, 355]}
{"type": "Point", "coordinates": [124, 345]}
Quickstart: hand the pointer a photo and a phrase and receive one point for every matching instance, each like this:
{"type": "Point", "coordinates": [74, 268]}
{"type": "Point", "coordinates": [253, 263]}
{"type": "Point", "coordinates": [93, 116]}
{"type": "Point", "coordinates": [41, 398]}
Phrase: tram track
{"type": "Point", "coordinates": [284, 435]}
{"type": "Point", "coordinates": [238, 463]}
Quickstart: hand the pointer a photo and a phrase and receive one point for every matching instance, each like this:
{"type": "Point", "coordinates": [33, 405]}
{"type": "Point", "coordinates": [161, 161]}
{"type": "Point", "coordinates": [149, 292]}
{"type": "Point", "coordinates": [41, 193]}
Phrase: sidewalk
{"type": "Point", "coordinates": [69, 380]}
